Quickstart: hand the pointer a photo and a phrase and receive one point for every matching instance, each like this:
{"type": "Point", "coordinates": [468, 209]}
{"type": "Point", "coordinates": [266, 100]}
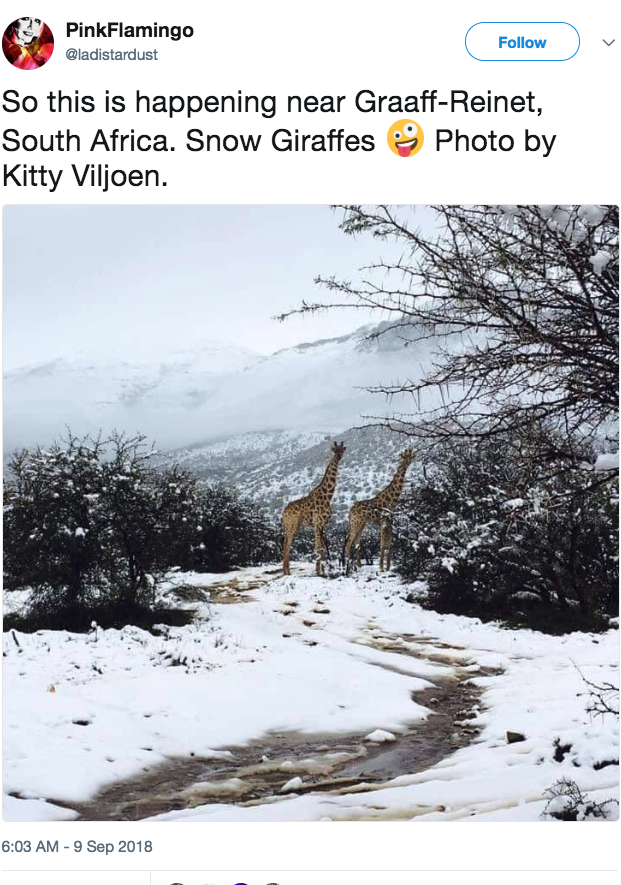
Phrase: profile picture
{"type": "Point", "coordinates": [28, 43]}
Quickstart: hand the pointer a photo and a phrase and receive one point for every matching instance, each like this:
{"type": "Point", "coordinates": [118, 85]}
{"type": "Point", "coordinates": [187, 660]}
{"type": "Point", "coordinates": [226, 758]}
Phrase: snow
{"type": "Point", "coordinates": [294, 784]}
{"type": "Point", "coordinates": [600, 260]}
{"type": "Point", "coordinates": [83, 711]}
{"type": "Point", "coordinates": [34, 810]}
{"type": "Point", "coordinates": [222, 389]}
{"type": "Point", "coordinates": [379, 736]}
{"type": "Point", "coordinates": [607, 461]}
{"type": "Point", "coordinates": [591, 215]}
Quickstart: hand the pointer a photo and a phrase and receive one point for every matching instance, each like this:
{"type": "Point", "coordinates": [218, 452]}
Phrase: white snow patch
{"type": "Point", "coordinates": [607, 461]}
{"type": "Point", "coordinates": [600, 260]}
{"type": "Point", "coordinates": [379, 736]}
{"type": "Point", "coordinates": [294, 784]}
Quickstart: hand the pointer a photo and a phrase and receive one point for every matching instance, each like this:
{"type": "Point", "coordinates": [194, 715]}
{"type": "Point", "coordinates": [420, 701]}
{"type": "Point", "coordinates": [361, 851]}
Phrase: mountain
{"type": "Point", "coordinates": [157, 394]}
{"type": "Point", "coordinates": [274, 467]}
{"type": "Point", "coordinates": [212, 391]}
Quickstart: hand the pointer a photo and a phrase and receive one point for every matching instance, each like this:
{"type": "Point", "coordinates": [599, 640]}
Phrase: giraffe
{"type": "Point", "coordinates": [313, 510]}
{"type": "Point", "coordinates": [377, 510]}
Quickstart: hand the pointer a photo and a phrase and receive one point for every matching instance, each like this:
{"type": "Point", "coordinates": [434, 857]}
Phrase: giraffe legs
{"type": "Point", "coordinates": [348, 546]}
{"type": "Point", "coordinates": [291, 527]}
{"type": "Point", "coordinates": [352, 548]}
{"type": "Point", "coordinates": [286, 549]}
{"type": "Point", "coordinates": [292, 523]}
{"type": "Point", "coordinates": [385, 544]}
{"type": "Point", "coordinates": [321, 549]}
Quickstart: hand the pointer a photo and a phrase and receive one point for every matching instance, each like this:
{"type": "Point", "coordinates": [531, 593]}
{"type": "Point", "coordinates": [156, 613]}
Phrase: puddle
{"type": "Point", "coordinates": [331, 763]}
{"type": "Point", "coordinates": [184, 782]}
{"type": "Point", "coordinates": [228, 597]}
{"type": "Point", "coordinates": [328, 763]}
{"type": "Point", "coordinates": [226, 592]}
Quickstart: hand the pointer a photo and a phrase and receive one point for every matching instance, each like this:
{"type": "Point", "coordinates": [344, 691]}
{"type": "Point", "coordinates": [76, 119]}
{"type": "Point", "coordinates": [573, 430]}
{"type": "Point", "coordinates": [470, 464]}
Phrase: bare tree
{"type": "Point", "coordinates": [519, 305]}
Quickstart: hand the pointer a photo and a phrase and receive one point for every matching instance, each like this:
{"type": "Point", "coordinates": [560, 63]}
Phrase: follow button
{"type": "Point", "coordinates": [522, 41]}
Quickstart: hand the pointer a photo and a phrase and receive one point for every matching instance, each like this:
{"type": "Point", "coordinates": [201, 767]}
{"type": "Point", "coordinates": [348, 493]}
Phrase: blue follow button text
{"type": "Point", "coordinates": [522, 41]}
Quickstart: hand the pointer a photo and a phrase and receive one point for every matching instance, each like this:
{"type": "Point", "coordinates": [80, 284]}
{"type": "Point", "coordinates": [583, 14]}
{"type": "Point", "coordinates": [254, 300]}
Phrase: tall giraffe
{"type": "Point", "coordinates": [378, 510]}
{"type": "Point", "coordinates": [313, 510]}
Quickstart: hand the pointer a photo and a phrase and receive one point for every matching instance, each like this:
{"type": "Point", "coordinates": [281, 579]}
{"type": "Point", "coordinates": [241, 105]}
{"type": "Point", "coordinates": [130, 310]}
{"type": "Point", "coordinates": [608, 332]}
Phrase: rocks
{"type": "Point", "coordinates": [468, 714]}
{"type": "Point", "coordinates": [515, 737]}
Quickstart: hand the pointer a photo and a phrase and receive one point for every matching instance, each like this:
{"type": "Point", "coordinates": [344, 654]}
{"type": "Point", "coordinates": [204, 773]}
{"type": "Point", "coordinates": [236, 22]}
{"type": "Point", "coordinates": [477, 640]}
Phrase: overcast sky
{"type": "Point", "coordinates": [137, 277]}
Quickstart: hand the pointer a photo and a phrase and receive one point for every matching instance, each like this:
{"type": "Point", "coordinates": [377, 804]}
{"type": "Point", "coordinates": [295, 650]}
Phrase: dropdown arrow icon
{"type": "Point", "coordinates": [607, 43]}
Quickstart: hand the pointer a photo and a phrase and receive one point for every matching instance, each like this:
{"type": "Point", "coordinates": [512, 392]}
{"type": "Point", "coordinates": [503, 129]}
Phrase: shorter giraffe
{"type": "Point", "coordinates": [378, 510]}
{"type": "Point", "coordinates": [313, 510]}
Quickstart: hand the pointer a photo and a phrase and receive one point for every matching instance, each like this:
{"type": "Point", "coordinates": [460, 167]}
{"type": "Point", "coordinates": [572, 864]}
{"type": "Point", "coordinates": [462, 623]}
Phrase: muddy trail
{"type": "Point", "coordinates": [267, 769]}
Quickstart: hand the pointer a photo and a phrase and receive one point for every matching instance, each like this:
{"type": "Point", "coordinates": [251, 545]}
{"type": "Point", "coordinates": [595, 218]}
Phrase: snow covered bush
{"type": "Point", "coordinates": [234, 532]}
{"type": "Point", "coordinates": [56, 525]}
{"type": "Point", "coordinates": [496, 535]}
{"type": "Point", "coordinates": [566, 801]}
{"type": "Point", "coordinates": [90, 524]}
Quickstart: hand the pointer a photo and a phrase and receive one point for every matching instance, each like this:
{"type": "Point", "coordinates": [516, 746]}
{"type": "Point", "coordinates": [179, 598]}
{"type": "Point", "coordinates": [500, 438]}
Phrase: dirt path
{"type": "Point", "coordinates": [330, 763]}
{"type": "Point", "coordinates": [256, 773]}
{"type": "Point", "coordinates": [327, 763]}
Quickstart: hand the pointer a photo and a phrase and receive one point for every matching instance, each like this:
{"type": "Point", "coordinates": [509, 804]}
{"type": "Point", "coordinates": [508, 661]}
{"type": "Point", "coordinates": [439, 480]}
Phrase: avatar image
{"type": "Point", "coordinates": [28, 43]}
{"type": "Point", "coordinates": [405, 138]}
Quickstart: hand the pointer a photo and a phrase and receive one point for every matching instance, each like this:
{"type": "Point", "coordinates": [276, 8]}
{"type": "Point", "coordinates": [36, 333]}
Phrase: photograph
{"type": "Point", "coordinates": [27, 43]}
{"type": "Point", "coordinates": [310, 511]}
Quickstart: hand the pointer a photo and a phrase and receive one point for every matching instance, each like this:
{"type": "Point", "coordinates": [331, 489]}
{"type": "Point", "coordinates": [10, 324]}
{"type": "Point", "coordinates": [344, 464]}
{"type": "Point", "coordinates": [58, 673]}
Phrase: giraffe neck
{"type": "Point", "coordinates": [391, 494]}
{"type": "Point", "coordinates": [328, 483]}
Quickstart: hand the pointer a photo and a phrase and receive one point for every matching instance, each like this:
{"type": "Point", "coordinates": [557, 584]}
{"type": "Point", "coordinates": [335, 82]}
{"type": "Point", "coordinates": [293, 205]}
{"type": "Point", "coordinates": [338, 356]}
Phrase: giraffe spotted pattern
{"type": "Point", "coordinates": [379, 511]}
{"type": "Point", "coordinates": [313, 510]}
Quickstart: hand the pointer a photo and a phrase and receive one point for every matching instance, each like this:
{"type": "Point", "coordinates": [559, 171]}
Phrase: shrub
{"type": "Point", "coordinates": [90, 525]}
{"type": "Point", "coordinates": [566, 801]}
{"type": "Point", "coordinates": [496, 536]}
{"type": "Point", "coordinates": [56, 528]}
{"type": "Point", "coordinates": [233, 532]}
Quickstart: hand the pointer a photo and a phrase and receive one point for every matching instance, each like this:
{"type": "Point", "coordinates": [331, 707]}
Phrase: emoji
{"type": "Point", "coordinates": [405, 138]}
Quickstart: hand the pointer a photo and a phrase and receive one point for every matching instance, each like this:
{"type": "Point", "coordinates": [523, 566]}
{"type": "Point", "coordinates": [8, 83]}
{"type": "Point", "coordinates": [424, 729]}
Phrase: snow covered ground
{"type": "Point", "coordinates": [305, 656]}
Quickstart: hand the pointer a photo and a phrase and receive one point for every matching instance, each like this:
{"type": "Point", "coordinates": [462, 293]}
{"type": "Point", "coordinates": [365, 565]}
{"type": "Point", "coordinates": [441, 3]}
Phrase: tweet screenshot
{"type": "Point", "coordinates": [310, 442]}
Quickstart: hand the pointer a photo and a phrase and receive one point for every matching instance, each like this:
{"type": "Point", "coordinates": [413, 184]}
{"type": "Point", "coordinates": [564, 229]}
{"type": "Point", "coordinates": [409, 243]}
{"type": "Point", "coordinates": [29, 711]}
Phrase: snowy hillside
{"type": "Point", "coordinates": [183, 397]}
{"type": "Point", "coordinates": [110, 390]}
{"type": "Point", "coordinates": [277, 466]}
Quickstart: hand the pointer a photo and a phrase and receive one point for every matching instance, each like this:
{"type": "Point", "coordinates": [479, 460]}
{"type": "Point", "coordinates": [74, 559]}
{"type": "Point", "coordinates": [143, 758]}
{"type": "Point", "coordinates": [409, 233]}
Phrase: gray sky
{"type": "Point", "coordinates": [119, 278]}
